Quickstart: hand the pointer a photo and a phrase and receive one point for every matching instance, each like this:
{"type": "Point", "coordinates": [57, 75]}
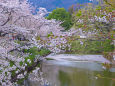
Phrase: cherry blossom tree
{"type": "Point", "coordinates": [19, 33]}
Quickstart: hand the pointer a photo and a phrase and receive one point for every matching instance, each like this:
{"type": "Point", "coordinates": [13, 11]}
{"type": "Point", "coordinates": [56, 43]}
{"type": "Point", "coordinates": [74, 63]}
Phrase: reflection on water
{"type": "Point", "coordinates": [61, 74]}
{"type": "Point", "coordinates": [82, 78]}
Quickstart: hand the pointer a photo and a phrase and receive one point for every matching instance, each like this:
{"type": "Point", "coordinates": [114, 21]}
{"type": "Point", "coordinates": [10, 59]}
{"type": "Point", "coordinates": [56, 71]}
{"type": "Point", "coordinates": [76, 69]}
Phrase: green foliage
{"type": "Point", "coordinates": [67, 24]}
{"type": "Point", "coordinates": [62, 15]}
{"type": "Point", "coordinates": [108, 55]}
{"type": "Point", "coordinates": [79, 13]}
{"type": "Point", "coordinates": [11, 63]}
{"type": "Point", "coordinates": [98, 8]}
{"type": "Point", "coordinates": [50, 34]}
{"type": "Point", "coordinates": [107, 46]}
{"type": "Point", "coordinates": [21, 63]}
{"type": "Point", "coordinates": [17, 41]}
{"type": "Point", "coordinates": [91, 47]}
{"type": "Point", "coordinates": [34, 51]}
{"type": "Point", "coordinates": [110, 2]}
{"type": "Point", "coordinates": [21, 81]}
{"type": "Point", "coordinates": [13, 73]}
{"type": "Point", "coordinates": [38, 38]}
{"type": "Point", "coordinates": [44, 52]}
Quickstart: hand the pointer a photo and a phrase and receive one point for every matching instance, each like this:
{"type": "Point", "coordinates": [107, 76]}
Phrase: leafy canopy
{"type": "Point", "coordinates": [62, 15]}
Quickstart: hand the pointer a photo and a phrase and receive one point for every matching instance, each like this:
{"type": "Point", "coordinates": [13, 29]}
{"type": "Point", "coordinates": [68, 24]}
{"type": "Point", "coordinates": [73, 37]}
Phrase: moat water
{"type": "Point", "coordinates": [81, 73]}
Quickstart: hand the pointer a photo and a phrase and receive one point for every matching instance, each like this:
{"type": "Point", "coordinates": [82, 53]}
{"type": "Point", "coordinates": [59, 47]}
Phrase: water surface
{"type": "Point", "coordinates": [85, 73]}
